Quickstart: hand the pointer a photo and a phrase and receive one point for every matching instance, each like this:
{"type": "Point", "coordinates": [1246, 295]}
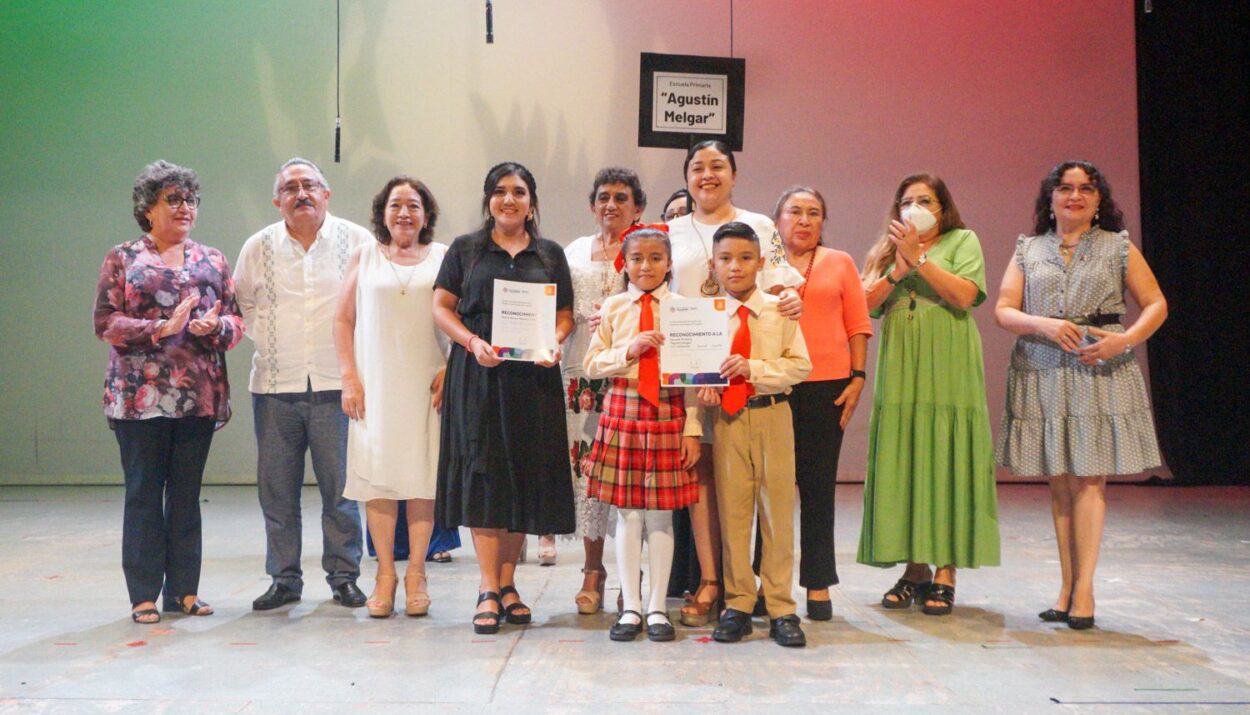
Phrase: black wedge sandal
{"type": "Point", "coordinates": [942, 593]}
{"type": "Point", "coordinates": [906, 592]}
{"type": "Point", "coordinates": [487, 622]}
{"type": "Point", "coordinates": [510, 615]}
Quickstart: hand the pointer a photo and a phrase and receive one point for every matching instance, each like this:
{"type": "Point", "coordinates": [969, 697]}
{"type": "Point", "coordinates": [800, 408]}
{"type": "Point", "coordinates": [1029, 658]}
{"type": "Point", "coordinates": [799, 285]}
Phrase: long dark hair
{"type": "Point", "coordinates": [1109, 216]}
{"type": "Point", "coordinates": [493, 177]}
{"type": "Point", "coordinates": [428, 204]}
{"type": "Point", "coordinates": [653, 234]}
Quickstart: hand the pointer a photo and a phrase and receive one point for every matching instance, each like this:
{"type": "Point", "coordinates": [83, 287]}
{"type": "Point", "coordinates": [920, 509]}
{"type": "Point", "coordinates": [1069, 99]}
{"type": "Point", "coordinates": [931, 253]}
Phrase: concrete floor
{"type": "Point", "coordinates": [1173, 627]}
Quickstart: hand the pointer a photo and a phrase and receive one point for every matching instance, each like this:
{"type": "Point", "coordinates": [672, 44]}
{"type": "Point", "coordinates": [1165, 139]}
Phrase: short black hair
{"type": "Point", "coordinates": [735, 229]}
{"type": "Point", "coordinates": [716, 144]}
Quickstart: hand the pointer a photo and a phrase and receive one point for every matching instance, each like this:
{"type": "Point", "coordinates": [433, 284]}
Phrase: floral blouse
{"type": "Point", "coordinates": [182, 375]}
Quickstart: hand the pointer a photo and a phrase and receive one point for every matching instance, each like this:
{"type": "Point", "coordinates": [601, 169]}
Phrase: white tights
{"type": "Point", "coordinates": [629, 528]}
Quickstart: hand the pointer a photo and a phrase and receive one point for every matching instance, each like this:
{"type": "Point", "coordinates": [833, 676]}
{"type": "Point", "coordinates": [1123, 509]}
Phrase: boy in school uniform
{"type": "Point", "coordinates": [753, 442]}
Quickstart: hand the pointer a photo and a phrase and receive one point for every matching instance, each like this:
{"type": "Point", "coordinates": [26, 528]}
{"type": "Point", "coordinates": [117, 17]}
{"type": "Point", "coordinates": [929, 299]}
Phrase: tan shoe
{"type": "Point", "coordinates": [382, 603]}
{"type": "Point", "coordinates": [417, 601]}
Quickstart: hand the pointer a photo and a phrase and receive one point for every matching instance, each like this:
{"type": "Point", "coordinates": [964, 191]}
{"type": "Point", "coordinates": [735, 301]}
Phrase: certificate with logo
{"type": "Point", "coordinates": [696, 341]}
{"type": "Point", "coordinates": [523, 321]}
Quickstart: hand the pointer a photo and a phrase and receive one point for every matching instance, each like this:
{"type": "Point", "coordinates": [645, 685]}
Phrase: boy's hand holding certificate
{"type": "Point", "coordinates": [523, 321]}
{"type": "Point", "coordinates": [696, 341]}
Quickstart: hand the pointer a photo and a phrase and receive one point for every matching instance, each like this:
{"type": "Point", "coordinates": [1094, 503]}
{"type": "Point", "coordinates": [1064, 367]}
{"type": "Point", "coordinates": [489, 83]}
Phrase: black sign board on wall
{"type": "Point", "coordinates": [684, 99]}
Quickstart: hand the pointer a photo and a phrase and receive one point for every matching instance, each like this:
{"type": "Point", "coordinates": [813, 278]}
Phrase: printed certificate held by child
{"type": "Point", "coordinates": [696, 341]}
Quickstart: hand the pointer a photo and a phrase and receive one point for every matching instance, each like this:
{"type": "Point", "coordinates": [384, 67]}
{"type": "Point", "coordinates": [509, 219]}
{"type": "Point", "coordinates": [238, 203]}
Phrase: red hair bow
{"type": "Point", "coordinates": [620, 256]}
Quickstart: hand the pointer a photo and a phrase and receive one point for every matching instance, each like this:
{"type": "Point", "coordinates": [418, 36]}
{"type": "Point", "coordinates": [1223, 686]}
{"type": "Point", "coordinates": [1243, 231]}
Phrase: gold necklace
{"type": "Point", "coordinates": [710, 285]}
{"type": "Point", "coordinates": [607, 271]}
{"type": "Point", "coordinates": [403, 285]}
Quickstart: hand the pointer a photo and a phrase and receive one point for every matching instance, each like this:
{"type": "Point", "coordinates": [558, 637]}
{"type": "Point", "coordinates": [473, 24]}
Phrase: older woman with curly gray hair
{"type": "Point", "coordinates": [166, 306]}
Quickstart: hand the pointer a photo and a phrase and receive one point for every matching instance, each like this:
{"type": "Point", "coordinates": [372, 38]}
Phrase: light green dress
{"type": "Point", "coordinates": [929, 496]}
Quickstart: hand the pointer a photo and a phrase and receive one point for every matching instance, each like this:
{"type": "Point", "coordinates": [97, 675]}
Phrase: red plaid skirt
{"type": "Point", "coordinates": [635, 461]}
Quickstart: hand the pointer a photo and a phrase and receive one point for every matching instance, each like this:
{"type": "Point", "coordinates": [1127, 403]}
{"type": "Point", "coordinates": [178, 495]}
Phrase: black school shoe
{"type": "Point", "coordinates": [787, 632]}
{"type": "Point", "coordinates": [734, 626]}
{"type": "Point", "coordinates": [625, 632]}
{"type": "Point", "coordinates": [661, 631]}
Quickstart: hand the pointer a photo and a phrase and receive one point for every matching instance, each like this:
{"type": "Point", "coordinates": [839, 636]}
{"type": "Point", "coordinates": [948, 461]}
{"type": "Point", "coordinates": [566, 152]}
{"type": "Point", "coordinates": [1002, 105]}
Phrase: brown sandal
{"type": "Point", "coordinates": [699, 612]}
{"type": "Point", "coordinates": [417, 600]}
{"type": "Point", "coordinates": [382, 603]}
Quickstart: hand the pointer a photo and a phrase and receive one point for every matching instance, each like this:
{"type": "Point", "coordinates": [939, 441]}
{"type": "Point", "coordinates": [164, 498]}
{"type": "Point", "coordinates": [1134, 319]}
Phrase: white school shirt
{"type": "Point", "coordinates": [288, 297]}
{"type": "Point", "coordinates": [618, 328]}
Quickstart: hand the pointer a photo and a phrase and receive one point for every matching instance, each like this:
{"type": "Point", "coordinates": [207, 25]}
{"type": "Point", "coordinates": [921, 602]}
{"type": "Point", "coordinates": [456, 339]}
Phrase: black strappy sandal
{"type": "Point", "coordinates": [516, 619]}
{"type": "Point", "coordinates": [198, 608]}
{"type": "Point", "coordinates": [148, 613]}
{"type": "Point", "coordinates": [487, 622]}
{"type": "Point", "coordinates": [906, 592]}
{"type": "Point", "coordinates": [943, 593]}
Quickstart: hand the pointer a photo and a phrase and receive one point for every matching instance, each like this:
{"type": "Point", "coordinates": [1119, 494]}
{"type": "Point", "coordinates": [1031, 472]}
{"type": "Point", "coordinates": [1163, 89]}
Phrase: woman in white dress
{"type": "Point", "coordinates": [616, 201]}
{"type": "Point", "coordinates": [711, 171]}
{"type": "Point", "coordinates": [392, 360]}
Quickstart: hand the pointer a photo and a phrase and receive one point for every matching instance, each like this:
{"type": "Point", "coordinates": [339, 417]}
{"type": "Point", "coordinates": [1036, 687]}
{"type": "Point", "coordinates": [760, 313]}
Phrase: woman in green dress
{"type": "Point", "coordinates": [929, 496]}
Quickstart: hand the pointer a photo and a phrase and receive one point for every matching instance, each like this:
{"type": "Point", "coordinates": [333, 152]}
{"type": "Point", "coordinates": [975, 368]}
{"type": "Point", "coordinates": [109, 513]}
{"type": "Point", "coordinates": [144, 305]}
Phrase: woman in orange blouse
{"type": "Point", "coordinates": [836, 326]}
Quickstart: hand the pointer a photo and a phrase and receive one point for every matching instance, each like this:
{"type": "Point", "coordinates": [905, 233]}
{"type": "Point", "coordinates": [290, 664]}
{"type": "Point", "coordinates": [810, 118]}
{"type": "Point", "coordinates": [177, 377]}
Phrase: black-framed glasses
{"type": "Point", "coordinates": [307, 186]}
{"type": "Point", "coordinates": [176, 201]}
{"type": "Point", "coordinates": [675, 213]}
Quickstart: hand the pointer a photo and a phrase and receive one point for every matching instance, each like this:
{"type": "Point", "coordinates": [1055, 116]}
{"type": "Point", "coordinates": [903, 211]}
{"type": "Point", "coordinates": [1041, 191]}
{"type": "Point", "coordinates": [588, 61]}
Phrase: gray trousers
{"type": "Point", "coordinates": [288, 425]}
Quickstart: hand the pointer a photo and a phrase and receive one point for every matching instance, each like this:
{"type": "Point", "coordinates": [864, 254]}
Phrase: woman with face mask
{"type": "Point", "coordinates": [929, 495]}
{"type": "Point", "coordinates": [1076, 402]}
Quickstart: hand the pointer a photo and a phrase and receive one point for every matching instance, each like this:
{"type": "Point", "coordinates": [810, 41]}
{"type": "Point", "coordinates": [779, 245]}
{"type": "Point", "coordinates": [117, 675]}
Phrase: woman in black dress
{"type": "Point", "coordinates": [502, 467]}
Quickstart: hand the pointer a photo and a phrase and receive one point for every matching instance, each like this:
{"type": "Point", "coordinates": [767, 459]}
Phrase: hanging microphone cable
{"type": "Point", "coordinates": [338, 49]}
{"type": "Point", "coordinates": [490, 23]}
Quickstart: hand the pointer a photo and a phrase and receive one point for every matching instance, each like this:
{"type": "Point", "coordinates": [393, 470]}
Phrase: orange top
{"type": "Point", "coordinates": [834, 308]}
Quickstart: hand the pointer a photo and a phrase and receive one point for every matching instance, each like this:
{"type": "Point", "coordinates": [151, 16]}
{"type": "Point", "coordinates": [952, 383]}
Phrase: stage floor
{"type": "Point", "coordinates": [1173, 627]}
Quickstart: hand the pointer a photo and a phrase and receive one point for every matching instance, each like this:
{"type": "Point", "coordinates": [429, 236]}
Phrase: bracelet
{"type": "Point", "coordinates": [468, 344]}
{"type": "Point", "coordinates": [889, 277]}
{"type": "Point", "coordinates": [859, 373]}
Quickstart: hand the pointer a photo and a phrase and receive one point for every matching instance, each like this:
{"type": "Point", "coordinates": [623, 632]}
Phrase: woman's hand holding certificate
{"type": "Point", "coordinates": [523, 322]}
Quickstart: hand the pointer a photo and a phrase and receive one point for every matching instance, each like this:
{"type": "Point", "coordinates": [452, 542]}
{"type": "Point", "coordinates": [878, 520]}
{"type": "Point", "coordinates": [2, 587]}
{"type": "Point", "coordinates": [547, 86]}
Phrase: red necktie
{"type": "Point", "coordinates": [649, 361]}
{"type": "Point", "coordinates": [735, 397]}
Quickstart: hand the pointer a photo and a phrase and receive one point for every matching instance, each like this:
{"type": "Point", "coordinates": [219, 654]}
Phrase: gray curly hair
{"type": "Point", "coordinates": [156, 177]}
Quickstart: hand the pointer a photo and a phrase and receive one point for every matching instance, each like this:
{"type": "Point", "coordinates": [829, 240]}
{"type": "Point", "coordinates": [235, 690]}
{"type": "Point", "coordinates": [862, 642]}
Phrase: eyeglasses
{"type": "Point", "coordinates": [307, 186]}
{"type": "Point", "coordinates": [925, 201]}
{"type": "Point", "coordinates": [675, 213]}
{"type": "Point", "coordinates": [176, 201]}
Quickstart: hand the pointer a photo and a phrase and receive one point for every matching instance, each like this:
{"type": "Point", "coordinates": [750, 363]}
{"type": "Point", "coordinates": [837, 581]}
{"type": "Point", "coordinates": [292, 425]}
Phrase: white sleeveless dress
{"type": "Point", "coordinates": [393, 452]}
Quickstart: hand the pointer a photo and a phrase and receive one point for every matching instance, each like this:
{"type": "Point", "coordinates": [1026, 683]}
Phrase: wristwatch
{"type": "Point", "coordinates": [924, 258]}
{"type": "Point", "coordinates": [859, 373]}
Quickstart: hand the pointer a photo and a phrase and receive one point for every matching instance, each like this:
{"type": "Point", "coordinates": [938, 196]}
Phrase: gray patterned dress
{"type": "Point", "coordinates": [1063, 417]}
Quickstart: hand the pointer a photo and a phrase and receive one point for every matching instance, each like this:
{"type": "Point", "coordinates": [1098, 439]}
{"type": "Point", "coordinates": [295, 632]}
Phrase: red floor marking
{"type": "Point", "coordinates": [64, 644]}
{"type": "Point", "coordinates": [136, 644]}
{"type": "Point", "coordinates": [162, 631]}
{"type": "Point", "coordinates": [52, 578]}
{"type": "Point", "coordinates": [897, 640]}
{"type": "Point", "coordinates": [486, 640]}
{"type": "Point", "coordinates": [703, 639]}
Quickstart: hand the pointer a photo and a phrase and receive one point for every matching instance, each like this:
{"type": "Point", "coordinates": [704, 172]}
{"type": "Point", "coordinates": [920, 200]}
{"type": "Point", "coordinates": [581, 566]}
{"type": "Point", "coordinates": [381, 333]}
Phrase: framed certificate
{"type": "Point", "coordinates": [523, 321]}
{"type": "Point", "coordinates": [696, 341]}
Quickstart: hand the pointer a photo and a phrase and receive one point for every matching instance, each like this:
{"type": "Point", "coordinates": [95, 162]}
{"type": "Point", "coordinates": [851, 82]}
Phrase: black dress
{"type": "Point", "coordinates": [502, 461]}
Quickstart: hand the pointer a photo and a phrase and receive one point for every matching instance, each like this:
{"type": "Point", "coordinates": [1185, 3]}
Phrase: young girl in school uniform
{"type": "Point", "coordinates": [648, 436]}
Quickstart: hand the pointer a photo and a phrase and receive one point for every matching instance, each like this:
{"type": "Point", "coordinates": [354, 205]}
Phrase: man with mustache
{"type": "Point", "coordinates": [287, 279]}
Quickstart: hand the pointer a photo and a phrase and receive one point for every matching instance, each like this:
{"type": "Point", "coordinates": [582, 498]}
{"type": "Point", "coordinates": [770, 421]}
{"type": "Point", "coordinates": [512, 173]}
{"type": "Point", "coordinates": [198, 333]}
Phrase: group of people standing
{"type": "Point", "coordinates": [375, 356]}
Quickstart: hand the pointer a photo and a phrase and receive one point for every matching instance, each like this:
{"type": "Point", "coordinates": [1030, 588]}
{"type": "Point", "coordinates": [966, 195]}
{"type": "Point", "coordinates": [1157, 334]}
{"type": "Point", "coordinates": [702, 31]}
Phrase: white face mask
{"type": "Point", "coordinates": [920, 217]}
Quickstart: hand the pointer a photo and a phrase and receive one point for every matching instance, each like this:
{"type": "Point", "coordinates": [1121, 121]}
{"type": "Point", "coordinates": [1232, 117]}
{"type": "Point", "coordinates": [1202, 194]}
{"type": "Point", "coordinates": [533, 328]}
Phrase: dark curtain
{"type": "Point", "coordinates": [1195, 162]}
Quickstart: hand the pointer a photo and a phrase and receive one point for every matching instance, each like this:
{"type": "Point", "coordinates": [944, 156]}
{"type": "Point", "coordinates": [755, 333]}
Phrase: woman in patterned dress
{"type": "Point", "coordinates": [166, 306]}
{"type": "Point", "coordinates": [616, 201]}
{"type": "Point", "coordinates": [1077, 408]}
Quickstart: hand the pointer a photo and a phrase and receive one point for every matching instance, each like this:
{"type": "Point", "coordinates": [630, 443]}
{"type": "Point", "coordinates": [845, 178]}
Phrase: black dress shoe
{"type": "Point", "coordinates": [625, 631]}
{"type": "Point", "coordinates": [820, 610]}
{"type": "Point", "coordinates": [662, 631]}
{"type": "Point", "coordinates": [1051, 615]}
{"type": "Point", "coordinates": [278, 595]}
{"type": "Point", "coordinates": [787, 632]}
{"type": "Point", "coordinates": [349, 594]}
{"type": "Point", "coordinates": [734, 626]}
